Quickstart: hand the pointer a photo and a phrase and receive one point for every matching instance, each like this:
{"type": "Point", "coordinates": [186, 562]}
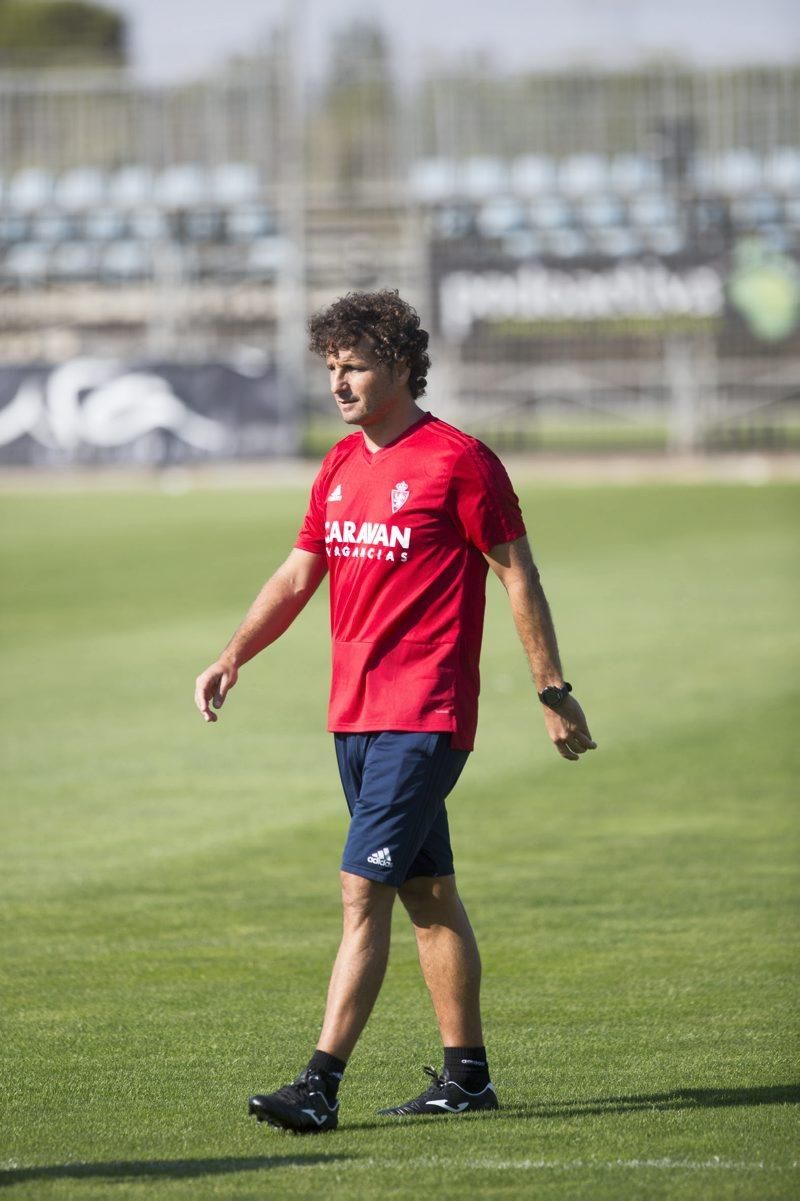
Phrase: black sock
{"type": "Point", "coordinates": [467, 1066]}
{"type": "Point", "coordinates": [332, 1070]}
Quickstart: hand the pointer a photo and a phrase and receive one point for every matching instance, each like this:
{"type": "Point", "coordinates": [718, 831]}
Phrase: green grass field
{"type": "Point", "coordinates": [169, 889]}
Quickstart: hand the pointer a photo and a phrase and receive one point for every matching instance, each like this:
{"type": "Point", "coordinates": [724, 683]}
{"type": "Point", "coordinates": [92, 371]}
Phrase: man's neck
{"type": "Point", "coordinates": [382, 433]}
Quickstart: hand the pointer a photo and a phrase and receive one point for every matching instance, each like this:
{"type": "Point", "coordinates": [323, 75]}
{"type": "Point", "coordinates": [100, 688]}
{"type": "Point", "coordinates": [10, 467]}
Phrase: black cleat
{"type": "Point", "coordinates": [445, 1096]}
{"type": "Point", "coordinates": [302, 1107]}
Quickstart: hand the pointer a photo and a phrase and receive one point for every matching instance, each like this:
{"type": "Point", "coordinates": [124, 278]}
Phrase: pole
{"type": "Point", "coordinates": [290, 289]}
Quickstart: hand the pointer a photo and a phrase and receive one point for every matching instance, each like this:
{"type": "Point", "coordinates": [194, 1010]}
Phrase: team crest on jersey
{"type": "Point", "coordinates": [400, 495]}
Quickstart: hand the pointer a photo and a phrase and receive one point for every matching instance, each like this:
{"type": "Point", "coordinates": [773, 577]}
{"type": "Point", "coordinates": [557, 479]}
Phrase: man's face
{"type": "Point", "coordinates": [366, 391]}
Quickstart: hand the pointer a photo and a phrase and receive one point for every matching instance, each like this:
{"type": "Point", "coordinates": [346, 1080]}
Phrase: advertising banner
{"type": "Point", "coordinates": [749, 299]}
{"type": "Point", "coordinates": [91, 410]}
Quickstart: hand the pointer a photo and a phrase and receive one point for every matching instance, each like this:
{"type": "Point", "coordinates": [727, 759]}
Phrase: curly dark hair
{"type": "Point", "coordinates": [391, 324]}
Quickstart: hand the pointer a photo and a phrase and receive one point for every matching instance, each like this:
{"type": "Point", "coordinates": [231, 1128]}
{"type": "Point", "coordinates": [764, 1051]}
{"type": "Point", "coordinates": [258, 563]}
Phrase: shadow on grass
{"type": "Point", "coordinates": [178, 1169]}
{"type": "Point", "coordinates": [679, 1098]}
{"type": "Point", "coordinates": [163, 1169]}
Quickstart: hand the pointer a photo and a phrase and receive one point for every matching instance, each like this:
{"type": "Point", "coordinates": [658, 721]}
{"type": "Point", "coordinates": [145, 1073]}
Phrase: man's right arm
{"type": "Point", "coordinates": [284, 595]}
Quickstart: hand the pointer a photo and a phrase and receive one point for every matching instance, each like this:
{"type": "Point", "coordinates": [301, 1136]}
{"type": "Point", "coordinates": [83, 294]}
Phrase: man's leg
{"type": "Point", "coordinates": [360, 963]}
{"type": "Point", "coordinates": [448, 956]}
{"type": "Point", "coordinates": [395, 784]}
{"type": "Point", "coordinates": [310, 1105]}
{"type": "Point", "coordinates": [451, 965]}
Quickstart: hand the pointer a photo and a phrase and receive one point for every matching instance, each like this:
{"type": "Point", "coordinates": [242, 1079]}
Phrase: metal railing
{"type": "Point", "coordinates": [197, 222]}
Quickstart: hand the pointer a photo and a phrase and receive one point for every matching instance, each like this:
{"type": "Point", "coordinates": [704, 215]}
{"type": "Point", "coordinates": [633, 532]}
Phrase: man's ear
{"type": "Point", "coordinates": [402, 371]}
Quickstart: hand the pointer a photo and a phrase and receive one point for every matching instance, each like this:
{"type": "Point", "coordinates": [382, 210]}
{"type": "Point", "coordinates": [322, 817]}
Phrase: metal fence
{"type": "Point", "coordinates": [604, 260]}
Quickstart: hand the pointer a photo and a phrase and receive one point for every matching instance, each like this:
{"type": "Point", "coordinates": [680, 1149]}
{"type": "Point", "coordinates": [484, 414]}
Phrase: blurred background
{"type": "Point", "coordinates": [596, 211]}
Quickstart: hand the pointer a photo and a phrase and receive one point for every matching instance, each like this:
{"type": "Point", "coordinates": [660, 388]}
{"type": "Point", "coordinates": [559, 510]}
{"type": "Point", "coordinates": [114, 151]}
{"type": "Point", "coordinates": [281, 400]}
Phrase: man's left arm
{"type": "Point", "coordinates": [512, 563]}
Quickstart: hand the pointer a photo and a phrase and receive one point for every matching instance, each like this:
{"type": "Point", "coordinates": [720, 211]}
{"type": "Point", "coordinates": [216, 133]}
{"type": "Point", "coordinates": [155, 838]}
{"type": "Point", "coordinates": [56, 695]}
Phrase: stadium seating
{"type": "Point", "coordinates": [182, 186]}
{"type": "Point", "coordinates": [104, 224]}
{"type": "Point", "coordinates": [234, 184]}
{"type": "Point", "coordinates": [632, 173]}
{"type": "Point", "coordinates": [580, 174]}
{"type": "Point", "coordinates": [89, 223]}
{"type": "Point", "coordinates": [80, 190]}
{"type": "Point", "coordinates": [499, 216]}
{"type": "Point", "coordinates": [74, 261]}
{"type": "Point", "coordinates": [148, 223]}
{"type": "Point", "coordinates": [791, 210]}
{"type": "Point", "coordinates": [13, 228]}
{"type": "Point", "coordinates": [616, 243]}
{"type": "Point", "coordinates": [755, 210]}
{"type": "Point", "coordinates": [550, 212]}
{"type": "Point", "coordinates": [566, 243]}
{"type": "Point", "coordinates": [30, 190]}
{"type": "Point", "coordinates": [124, 261]}
{"type": "Point", "coordinates": [653, 209]}
{"type": "Point", "coordinates": [131, 187]}
{"type": "Point", "coordinates": [664, 240]}
{"type": "Point", "coordinates": [250, 221]}
{"type": "Point", "coordinates": [730, 174]}
{"type": "Point", "coordinates": [51, 226]}
{"type": "Point", "coordinates": [200, 225]}
{"type": "Point", "coordinates": [483, 178]}
{"type": "Point", "coordinates": [266, 256]}
{"type": "Point", "coordinates": [533, 175]}
{"type": "Point", "coordinates": [782, 171]}
{"type": "Point", "coordinates": [614, 207]}
{"type": "Point", "coordinates": [433, 180]}
{"type": "Point", "coordinates": [26, 263]}
{"type": "Point", "coordinates": [601, 212]}
{"type": "Point", "coordinates": [523, 244]}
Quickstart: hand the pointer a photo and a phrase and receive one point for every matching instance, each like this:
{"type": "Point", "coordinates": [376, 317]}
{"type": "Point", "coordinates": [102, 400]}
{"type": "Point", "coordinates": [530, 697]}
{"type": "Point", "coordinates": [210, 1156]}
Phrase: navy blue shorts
{"type": "Point", "coordinates": [395, 783]}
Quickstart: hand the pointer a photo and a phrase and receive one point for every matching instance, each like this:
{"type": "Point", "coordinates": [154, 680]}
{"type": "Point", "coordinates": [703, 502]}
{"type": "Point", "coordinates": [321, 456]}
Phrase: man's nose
{"type": "Point", "coordinates": [338, 382]}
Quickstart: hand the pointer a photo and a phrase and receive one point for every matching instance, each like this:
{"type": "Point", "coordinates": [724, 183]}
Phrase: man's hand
{"type": "Point", "coordinates": [213, 686]}
{"type": "Point", "coordinates": [568, 730]}
{"type": "Point", "coordinates": [272, 612]}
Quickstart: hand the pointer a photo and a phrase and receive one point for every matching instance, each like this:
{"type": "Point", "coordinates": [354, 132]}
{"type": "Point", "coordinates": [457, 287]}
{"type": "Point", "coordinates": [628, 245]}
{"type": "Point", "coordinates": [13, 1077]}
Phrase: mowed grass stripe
{"type": "Point", "coordinates": [172, 889]}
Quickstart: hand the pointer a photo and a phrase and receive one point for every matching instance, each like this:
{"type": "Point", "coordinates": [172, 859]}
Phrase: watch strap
{"type": "Point", "coordinates": [554, 696]}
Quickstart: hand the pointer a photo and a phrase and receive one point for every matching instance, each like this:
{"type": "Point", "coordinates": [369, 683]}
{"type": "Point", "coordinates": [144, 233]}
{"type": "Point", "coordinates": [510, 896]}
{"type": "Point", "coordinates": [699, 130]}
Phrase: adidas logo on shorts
{"type": "Point", "coordinates": [380, 858]}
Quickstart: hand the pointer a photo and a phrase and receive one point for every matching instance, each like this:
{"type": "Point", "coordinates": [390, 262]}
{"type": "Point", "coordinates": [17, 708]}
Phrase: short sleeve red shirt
{"type": "Point", "coordinates": [403, 531]}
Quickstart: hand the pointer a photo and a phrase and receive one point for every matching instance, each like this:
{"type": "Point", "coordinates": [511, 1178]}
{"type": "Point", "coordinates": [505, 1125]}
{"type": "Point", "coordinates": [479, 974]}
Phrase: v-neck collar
{"type": "Point", "coordinates": [372, 455]}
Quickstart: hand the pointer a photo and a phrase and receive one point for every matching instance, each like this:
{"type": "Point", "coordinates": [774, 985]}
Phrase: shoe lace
{"type": "Point", "coordinates": [438, 1081]}
{"type": "Point", "coordinates": [298, 1089]}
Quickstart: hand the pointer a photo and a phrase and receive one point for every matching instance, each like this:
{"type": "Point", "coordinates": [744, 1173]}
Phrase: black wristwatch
{"type": "Point", "coordinates": [554, 696]}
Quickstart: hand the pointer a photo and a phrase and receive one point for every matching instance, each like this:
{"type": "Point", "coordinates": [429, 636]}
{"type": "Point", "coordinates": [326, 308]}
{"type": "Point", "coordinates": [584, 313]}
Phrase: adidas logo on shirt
{"type": "Point", "coordinates": [336, 494]}
{"type": "Point", "coordinates": [380, 858]}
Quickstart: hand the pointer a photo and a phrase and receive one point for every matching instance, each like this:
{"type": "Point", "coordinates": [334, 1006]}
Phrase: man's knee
{"type": "Point", "coordinates": [364, 900]}
{"type": "Point", "coordinates": [429, 899]}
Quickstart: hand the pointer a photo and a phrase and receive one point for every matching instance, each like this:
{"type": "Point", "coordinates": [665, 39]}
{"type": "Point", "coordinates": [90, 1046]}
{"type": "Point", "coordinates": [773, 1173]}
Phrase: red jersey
{"type": "Point", "coordinates": [403, 530]}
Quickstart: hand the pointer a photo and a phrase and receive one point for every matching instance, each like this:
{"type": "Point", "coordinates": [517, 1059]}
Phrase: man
{"type": "Point", "coordinates": [405, 515]}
